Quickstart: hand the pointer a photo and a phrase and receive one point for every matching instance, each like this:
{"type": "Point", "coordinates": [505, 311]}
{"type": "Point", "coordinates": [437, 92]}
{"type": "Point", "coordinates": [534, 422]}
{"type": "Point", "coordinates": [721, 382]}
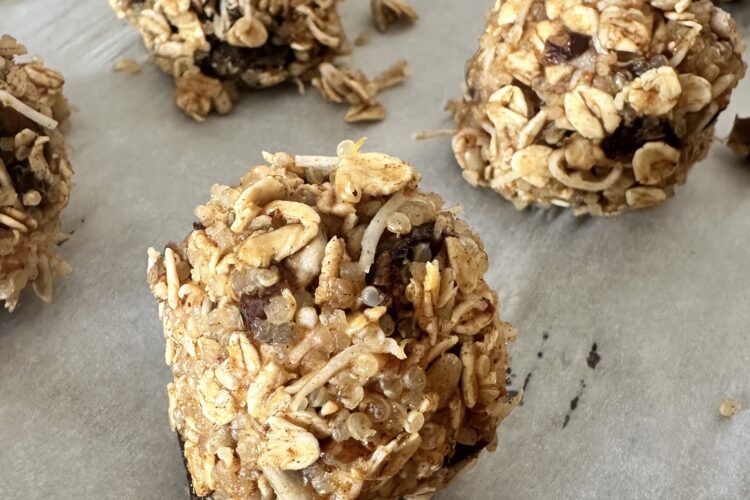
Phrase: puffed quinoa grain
{"type": "Point", "coordinates": [601, 107]}
{"type": "Point", "coordinates": [35, 174]}
{"type": "Point", "coordinates": [307, 367]}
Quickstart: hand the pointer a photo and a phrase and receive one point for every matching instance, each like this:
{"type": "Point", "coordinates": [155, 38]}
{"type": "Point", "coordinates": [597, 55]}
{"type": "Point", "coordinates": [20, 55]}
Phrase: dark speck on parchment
{"type": "Point", "coordinates": [594, 357]}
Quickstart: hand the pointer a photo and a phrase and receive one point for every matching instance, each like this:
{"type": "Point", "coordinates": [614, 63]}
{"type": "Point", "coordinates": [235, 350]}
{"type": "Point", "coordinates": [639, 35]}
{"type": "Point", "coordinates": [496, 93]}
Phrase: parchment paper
{"type": "Point", "coordinates": [663, 293]}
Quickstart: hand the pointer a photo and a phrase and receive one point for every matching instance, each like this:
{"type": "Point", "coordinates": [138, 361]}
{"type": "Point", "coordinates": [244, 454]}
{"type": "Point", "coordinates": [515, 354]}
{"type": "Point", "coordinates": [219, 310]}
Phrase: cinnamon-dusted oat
{"type": "Point", "coordinates": [330, 334]}
{"type": "Point", "coordinates": [595, 106]}
{"type": "Point", "coordinates": [215, 48]}
{"type": "Point", "coordinates": [35, 174]}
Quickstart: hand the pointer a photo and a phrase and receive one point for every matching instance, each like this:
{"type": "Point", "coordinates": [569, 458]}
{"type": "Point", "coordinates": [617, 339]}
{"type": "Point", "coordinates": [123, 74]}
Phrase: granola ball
{"type": "Point", "coordinates": [598, 106]}
{"type": "Point", "coordinates": [35, 175]}
{"type": "Point", "coordinates": [330, 334]}
{"type": "Point", "coordinates": [214, 47]}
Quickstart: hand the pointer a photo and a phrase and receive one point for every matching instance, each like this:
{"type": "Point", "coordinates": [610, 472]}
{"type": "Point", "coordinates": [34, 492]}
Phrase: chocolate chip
{"type": "Point", "coordinates": [198, 226]}
{"type": "Point", "coordinates": [565, 46]}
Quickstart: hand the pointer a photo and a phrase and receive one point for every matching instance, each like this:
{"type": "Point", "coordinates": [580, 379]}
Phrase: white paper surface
{"type": "Point", "coordinates": [664, 293]}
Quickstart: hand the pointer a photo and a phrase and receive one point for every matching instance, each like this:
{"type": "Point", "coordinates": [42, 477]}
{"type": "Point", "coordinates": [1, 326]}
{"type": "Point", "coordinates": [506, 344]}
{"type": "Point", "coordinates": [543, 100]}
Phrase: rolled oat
{"type": "Point", "coordinates": [330, 334]}
{"type": "Point", "coordinates": [35, 174]}
{"type": "Point", "coordinates": [601, 107]}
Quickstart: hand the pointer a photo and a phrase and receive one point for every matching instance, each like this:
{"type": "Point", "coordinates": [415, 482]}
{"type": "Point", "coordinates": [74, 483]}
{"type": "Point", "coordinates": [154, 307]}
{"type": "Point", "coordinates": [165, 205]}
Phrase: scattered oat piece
{"type": "Point", "coordinates": [600, 107]}
{"type": "Point", "coordinates": [387, 12]}
{"type": "Point", "coordinates": [127, 65]}
{"type": "Point", "coordinates": [739, 137]}
{"type": "Point", "coordinates": [325, 308]}
{"type": "Point", "coordinates": [214, 49]}
{"type": "Point", "coordinates": [35, 175]}
{"type": "Point", "coordinates": [362, 39]}
{"type": "Point", "coordinates": [432, 134]}
{"type": "Point", "coordinates": [728, 408]}
{"type": "Point", "coordinates": [347, 85]}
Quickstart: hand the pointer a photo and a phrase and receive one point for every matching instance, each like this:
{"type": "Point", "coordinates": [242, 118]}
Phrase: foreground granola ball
{"type": "Point", "coordinates": [601, 107]}
{"type": "Point", "coordinates": [35, 175]}
{"type": "Point", "coordinates": [330, 334]}
{"type": "Point", "coordinates": [213, 48]}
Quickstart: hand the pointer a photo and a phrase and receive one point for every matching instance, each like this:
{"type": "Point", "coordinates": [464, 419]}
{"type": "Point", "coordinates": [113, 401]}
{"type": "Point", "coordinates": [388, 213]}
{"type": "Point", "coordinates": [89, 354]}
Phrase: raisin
{"type": "Point", "coordinates": [565, 46]}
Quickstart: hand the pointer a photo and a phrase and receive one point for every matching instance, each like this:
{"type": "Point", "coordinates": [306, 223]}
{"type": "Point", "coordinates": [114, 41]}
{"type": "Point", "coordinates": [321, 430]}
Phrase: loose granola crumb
{"type": "Point", "coordinates": [388, 12]}
{"type": "Point", "coordinates": [602, 108]}
{"type": "Point", "coordinates": [728, 408]}
{"type": "Point", "coordinates": [127, 65]}
{"type": "Point", "coordinates": [35, 175]}
{"type": "Point", "coordinates": [347, 85]}
{"type": "Point", "coordinates": [431, 134]}
{"type": "Point", "coordinates": [362, 39]}
{"type": "Point", "coordinates": [330, 334]}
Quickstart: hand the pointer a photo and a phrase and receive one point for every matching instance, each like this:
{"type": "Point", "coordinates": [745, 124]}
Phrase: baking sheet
{"type": "Point", "coordinates": [663, 293]}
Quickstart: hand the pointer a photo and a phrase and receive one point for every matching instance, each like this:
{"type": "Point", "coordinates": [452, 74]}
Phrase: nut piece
{"type": "Point", "coordinates": [312, 320]}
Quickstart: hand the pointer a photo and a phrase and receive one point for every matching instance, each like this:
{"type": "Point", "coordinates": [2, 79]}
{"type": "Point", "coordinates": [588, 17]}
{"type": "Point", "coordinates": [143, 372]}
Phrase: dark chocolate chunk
{"type": "Point", "coordinates": [628, 138]}
{"type": "Point", "coordinates": [198, 226]}
{"type": "Point", "coordinates": [565, 46]}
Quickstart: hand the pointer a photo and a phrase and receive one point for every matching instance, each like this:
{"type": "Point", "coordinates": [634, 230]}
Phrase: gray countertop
{"type": "Point", "coordinates": [663, 293]}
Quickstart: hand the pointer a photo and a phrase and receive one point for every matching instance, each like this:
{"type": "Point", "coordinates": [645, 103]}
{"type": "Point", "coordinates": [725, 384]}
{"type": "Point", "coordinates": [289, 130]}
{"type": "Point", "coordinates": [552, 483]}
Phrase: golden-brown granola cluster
{"type": "Point", "coordinates": [597, 106]}
{"type": "Point", "coordinates": [214, 48]}
{"type": "Point", "coordinates": [330, 334]}
{"type": "Point", "coordinates": [35, 175]}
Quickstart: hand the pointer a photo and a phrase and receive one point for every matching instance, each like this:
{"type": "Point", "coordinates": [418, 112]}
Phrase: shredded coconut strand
{"type": "Point", "coordinates": [323, 162]}
{"type": "Point", "coordinates": [12, 102]}
{"type": "Point", "coordinates": [376, 228]}
{"type": "Point", "coordinates": [431, 134]}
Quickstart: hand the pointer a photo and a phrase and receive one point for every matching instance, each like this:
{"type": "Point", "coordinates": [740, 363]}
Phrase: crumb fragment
{"type": "Point", "coordinates": [388, 12]}
{"type": "Point", "coordinates": [362, 39]}
{"type": "Point", "coordinates": [127, 65]}
{"type": "Point", "coordinates": [431, 134]}
{"type": "Point", "coordinates": [739, 138]}
{"type": "Point", "coordinates": [728, 408]}
{"type": "Point", "coordinates": [348, 85]}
